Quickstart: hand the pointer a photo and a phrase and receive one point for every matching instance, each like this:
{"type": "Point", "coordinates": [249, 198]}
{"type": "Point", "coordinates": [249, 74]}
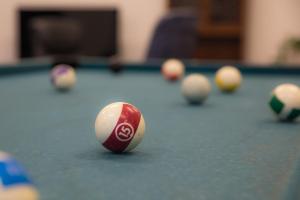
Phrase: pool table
{"type": "Point", "coordinates": [231, 147]}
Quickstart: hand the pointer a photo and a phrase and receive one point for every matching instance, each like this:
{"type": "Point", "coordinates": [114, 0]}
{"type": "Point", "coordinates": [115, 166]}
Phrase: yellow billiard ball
{"type": "Point", "coordinates": [228, 79]}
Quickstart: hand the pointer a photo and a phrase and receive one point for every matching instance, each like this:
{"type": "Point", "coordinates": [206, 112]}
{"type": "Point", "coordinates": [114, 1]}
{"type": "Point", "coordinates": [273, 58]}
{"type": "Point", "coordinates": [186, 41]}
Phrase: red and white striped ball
{"type": "Point", "coordinates": [120, 127]}
{"type": "Point", "coordinates": [63, 77]}
{"type": "Point", "coordinates": [173, 69]}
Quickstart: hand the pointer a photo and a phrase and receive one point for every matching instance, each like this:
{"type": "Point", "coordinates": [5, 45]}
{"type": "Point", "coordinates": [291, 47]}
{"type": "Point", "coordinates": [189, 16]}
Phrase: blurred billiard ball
{"type": "Point", "coordinates": [195, 88]}
{"type": "Point", "coordinates": [228, 79]}
{"type": "Point", "coordinates": [285, 102]}
{"type": "Point", "coordinates": [63, 77]}
{"type": "Point", "coordinates": [115, 65]}
{"type": "Point", "coordinates": [173, 69]}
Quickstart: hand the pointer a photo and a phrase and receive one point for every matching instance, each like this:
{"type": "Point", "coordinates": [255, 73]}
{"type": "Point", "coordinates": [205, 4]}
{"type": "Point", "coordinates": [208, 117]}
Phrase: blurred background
{"type": "Point", "coordinates": [252, 31]}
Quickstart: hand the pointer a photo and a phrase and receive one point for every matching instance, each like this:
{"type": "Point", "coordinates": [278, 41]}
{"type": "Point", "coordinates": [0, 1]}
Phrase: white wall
{"type": "Point", "coordinates": [138, 18]}
{"type": "Point", "coordinates": [269, 23]}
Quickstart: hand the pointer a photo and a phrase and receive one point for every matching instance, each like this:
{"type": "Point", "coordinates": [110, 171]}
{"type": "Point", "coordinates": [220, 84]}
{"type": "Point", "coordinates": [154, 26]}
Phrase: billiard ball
{"type": "Point", "coordinates": [120, 127]}
{"type": "Point", "coordinates": [173, 69]}
{"type": "Point", "coordinates": [285, 102]}
{"type": "Point", "coordinates": [228, 79]}
{"type": "Point", "coordinates": [195, 88]}
{"type": "Point", "coordinates": [115, 66]}
{"type": "Point", "coordinates": [15, 183]}
{"type": "Point", "coordinates": [63, 77]}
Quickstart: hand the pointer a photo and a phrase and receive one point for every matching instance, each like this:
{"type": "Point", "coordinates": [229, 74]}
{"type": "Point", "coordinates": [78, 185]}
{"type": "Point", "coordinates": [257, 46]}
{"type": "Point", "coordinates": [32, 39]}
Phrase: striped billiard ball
{"type": "Point", "coordinates": [63, 77]}
{"type": "Point", "coordinates": [228, 79]}
{"type": "Point", "coordinates": [14, 181]}
{"type": "Point", "coordinates": [285, 102]}
{"type": "Point", "coordinates": [120, 127]}
{"type": "Point", "coordinates": [173, 69]}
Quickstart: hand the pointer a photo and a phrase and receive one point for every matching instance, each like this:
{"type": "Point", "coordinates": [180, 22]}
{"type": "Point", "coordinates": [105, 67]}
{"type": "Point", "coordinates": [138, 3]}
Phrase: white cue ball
{"type": "Point", "coordinates": [195, 88]}
{"type": "Point", "coordinates": [173, 69]}
{"type": "Point", "coordinates": [63, 77]}
{"type": "Point", "coordinates": [15, 184]}
{"type": "Point", "coordinates": [228, 79]}
{"type": "Point", "coordinates": [285, 101]}
{"type": "Point", "coordinates": [120, 127]}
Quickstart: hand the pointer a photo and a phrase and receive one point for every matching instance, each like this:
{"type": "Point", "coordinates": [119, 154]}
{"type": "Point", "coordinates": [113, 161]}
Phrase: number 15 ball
{"type": "Point", "coordinates": [120, 127]}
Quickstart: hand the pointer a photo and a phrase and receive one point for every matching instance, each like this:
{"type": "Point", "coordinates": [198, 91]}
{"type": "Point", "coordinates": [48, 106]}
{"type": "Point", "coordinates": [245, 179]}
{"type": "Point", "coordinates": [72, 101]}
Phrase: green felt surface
{"type": "Point", "coordinates": [229, 148]}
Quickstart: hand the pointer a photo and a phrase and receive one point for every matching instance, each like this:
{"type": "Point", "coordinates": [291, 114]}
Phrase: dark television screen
{"type": "Point", "coordinates": [98, 27]}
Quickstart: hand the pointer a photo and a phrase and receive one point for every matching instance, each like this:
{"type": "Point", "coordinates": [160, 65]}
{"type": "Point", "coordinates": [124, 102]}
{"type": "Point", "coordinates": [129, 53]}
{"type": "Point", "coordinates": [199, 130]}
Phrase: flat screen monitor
{"type": "Point", "coordinates": [98, 30]}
